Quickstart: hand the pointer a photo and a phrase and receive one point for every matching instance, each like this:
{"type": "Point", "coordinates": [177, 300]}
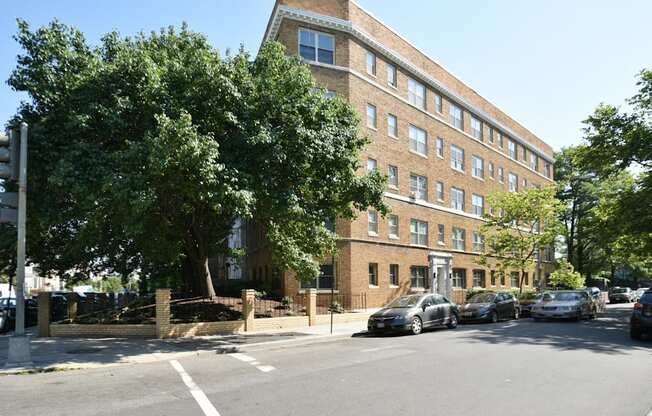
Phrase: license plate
{"type": "Point", "coordinates": [380, 325]}
{"type": "Point", "coordinates": [467, 314]}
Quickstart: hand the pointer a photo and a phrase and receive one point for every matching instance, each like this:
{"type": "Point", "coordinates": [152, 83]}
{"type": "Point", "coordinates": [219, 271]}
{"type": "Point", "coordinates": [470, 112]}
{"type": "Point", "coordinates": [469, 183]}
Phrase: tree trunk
{"type": "Point", "coordinates": [520, 286]}
{"type": "Point", "coordinates": [198, 259]}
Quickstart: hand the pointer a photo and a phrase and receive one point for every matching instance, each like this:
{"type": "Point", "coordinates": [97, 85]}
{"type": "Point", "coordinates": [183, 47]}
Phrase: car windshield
{"type": "Point", "coordinates": [404, 302]}
{"type": "Point", "coordinates": [620, 290]}
{"type": "Point", "coordinates": [483, 298]}
{"type": "Point", "coordinates": [568, 296]}
{"type": "Point", "coordinates": [531, 296]}
{"type": "Point", "coordinates": [3, 302]}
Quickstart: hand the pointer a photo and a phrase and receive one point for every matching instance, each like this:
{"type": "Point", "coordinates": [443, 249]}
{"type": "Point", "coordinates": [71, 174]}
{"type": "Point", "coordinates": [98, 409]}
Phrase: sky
{"type": "Point", "coordinates": [547, 64]}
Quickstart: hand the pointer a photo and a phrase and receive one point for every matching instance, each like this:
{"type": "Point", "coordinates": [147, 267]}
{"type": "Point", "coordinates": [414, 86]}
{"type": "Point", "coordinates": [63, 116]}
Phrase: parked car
{"type": "Point", "coordinates": [641, 320]}
{"type": "Point", "coordinates": [640, 291]}
{"type": "Point", "coordinates": [527, 300]}
{"type": "Point", "coordinates": [8, 313]}
{"type": "Point", "coordinates": [574, 304]}
{"type": "Point", "coordinates": [413, 313]}
{"type": "Point", "coordinates": [621, 294]}
{"type": "Point", "coordinates": [490, 307]}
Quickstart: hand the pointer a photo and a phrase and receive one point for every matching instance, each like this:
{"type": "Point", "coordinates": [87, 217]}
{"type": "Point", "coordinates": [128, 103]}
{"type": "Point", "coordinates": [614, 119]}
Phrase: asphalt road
{"type": "Point", "coordinates": [510, 368]}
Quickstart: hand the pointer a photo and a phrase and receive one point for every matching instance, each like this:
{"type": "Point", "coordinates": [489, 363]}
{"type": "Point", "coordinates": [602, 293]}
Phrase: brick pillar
{"type": "Point", "coordinates": [73, 303]}
{"type": "Point", "coordinates": [162, 313]}
{"type": "Point", "coordinates": [44, 307]}
{"type": "Point", "coordinates": [311, 306]}
{"type": "Point", "coordinates": [248, 308]}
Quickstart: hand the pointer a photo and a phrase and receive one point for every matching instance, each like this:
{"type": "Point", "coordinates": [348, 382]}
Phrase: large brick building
{"type": "Point", "coordinates": [443, 146]}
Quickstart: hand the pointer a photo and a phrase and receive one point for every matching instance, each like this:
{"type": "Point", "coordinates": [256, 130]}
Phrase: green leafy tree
{"type": "Point", "coordinates": [523, 224]}
{"type": "Point", "coordinates": [145, 149]}
{"type": "Point", "coordinates": [565, 277]}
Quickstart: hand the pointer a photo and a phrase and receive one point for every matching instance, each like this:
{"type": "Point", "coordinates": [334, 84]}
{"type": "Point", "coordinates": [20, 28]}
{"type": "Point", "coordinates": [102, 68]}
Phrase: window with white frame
{"type": "Point", "coordinates": [478, 278]}
{"type": "Point", "coordinates": [513, 182]}
{"type": "Point", "coordinates": [371, 63]}
{"type": "Point", "coordinates": [499, 138]}
{"type": "Point", "coordinates": [419, 186]}
{"type": "Point", "coordinates": [513, 279]}
{"type": "Point", "coordinates": [317, 46]}
{"type": "Point", "coordinates": [373, 274]}
{"type": "Point", "coordinates": [478, 204]}
{"type": "Point", "coordinates": [418, 140]}
{"type": "Point", "coordinates": [392, 221]}
{"type": "Point", "coordinates": [512, 150]}
{"type": "Point", "coordinates": [441, 234]}
{"type": "Point", "coordinates": [534, 161]}
{"type": "Point", "coordinates": [393, 275]}
{"type": "Point", "coordinates": [457, 199]}
{"type": "Point", "coordinates": [490, 167]}
{"type": "Point", "coordinates": [491, 134]}
{"type": "Point", "coordinates": [457, 158]}
{"type": "Point", "coordinates": [391, 75]}
{"type": "Point", "coordinates": [546, 170]}
{"type": "Point", "coordinates": [459, 238]}
{"type": "Point", "coordinates": [478, 242]}
{"type": "Point", "coordinates": [392, 125]}
{"type": "Point", "coordinates": [457, 117]}
{"type": "Point", "coordinates": [440, 147]}
{"type": "Point", "coordinates": [372, 164]}
{"type": "Point", "coordinates": [438, 103]}
{"type": "Point", "coordinates": [392, 176]}
{"type": "Point", "coordinates": [458, 279]}
{"type": "Point", "coordinates": [439, 187]}
{"type": "Point", "coordinates": [416, 93]}
{"type": "Point", "coordinates": [418, 277]}
{"type": "Point", "coordinates": [477, 167]}
{"type": "Point", "coordinates": [476, 128]}
{"type": "Point", "coordinates": [501, 174]}
{"type": "Point", "coordinates": [418, 232]}
{"type": "Point", "coordinates": [371, 116]}
{"type": "Point", "coordinates": [372, 222]}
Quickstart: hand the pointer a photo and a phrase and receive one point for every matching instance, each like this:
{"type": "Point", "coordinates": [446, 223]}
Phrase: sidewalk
{"type": "Point", "coordinates": [78, 353]}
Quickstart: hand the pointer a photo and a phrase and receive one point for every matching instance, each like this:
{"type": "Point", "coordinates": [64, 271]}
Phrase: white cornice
{"type": "Point", "coordinates": [347, 26]}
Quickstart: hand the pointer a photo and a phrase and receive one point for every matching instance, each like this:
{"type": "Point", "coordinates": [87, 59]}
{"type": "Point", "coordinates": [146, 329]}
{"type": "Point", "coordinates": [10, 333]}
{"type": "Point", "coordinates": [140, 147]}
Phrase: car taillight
{"type": "Point", "coordinates": [638, 306]}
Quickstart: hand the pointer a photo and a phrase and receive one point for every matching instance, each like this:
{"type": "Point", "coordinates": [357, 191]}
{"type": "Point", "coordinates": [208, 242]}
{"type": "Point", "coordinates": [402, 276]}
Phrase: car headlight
{"type": "Point", "coordinates": [398, 318]}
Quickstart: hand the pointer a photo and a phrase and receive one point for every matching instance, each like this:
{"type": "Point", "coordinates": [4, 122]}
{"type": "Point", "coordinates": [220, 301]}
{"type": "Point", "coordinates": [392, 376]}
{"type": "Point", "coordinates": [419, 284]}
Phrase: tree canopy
{"type": "Point", "coordinates": [145, 149]}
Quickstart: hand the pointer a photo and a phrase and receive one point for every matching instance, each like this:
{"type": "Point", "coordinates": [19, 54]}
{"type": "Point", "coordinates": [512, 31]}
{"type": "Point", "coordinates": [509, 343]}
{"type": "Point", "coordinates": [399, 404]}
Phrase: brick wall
{"type": "Point", "coordinates": [102, 331]}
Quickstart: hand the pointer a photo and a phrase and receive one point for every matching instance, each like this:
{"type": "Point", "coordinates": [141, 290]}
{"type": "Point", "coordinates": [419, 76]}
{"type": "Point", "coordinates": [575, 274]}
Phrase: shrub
{"type": "Point", "coordinates": [335, 307]}
{"type": "Point", "coordinates": [565, 277]}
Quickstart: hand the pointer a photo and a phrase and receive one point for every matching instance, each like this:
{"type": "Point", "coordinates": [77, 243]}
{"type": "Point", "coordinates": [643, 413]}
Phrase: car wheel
{"type": "Point", "coordinates": [417, 326]}
{"type": "Point", "coordinates": [517, 314]}
{"type": "Point", "coordinates": [494, 317]}
{"type": "Point", "coordinates": [579, 316]}
{"type": "Point", "coordinates": [452, 322]}
{"type": "Point", "coordinates": [635, 333]}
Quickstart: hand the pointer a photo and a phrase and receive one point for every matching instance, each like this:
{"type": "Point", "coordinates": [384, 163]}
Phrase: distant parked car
{"type": "Point", "coordinates": [8, 313]}
{"type": "Point", "coordinates": [413, 313]}
{"type": "Point", "coordinates": [638, 293]}
{"type": "Point", "coordinates": [621, 294]}
{"type": "Point", "coordinates": [527, 300]}
{"type": "Point", "coordinates": [574, 304]}
{"type": "Point", "coordinates": [641, 320]}
{"type": "Point", "coordinates": [490, 307]}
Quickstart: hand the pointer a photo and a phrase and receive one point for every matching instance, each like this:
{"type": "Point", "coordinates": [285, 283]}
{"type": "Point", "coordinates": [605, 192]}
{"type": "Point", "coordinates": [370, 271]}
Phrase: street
{"type": "Point", "coordinates": [510, 368]}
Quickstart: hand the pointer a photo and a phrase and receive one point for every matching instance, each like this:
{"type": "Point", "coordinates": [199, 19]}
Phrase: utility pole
{"type": "Point", "coordinates": [19, 349]}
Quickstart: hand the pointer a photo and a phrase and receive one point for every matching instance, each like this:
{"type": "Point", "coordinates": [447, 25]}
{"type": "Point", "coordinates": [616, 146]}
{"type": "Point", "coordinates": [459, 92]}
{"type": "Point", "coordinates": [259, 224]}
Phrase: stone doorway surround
{"type": "Point", "coordinates": [440, 269]}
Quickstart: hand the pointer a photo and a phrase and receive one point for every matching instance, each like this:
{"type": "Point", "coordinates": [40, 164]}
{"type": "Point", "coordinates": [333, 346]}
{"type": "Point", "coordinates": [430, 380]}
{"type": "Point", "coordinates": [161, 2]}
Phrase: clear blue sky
{"type": "Point", "coordinates": [545, 63]}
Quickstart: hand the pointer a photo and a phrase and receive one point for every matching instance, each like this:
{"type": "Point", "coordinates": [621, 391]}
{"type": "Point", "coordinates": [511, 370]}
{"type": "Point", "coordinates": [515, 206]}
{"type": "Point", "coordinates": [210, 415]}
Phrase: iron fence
{"type": "Point", "coordinates": [200, 309]}
{"type": "Point", "coordinates": [340, 303]}
{"type": "Point", "coordinates": [286, 306]}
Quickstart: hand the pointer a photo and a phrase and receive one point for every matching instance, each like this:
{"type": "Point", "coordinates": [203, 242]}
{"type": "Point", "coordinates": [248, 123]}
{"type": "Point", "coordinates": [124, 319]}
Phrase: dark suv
{"type": "Point", "coordinates": [641, 320]}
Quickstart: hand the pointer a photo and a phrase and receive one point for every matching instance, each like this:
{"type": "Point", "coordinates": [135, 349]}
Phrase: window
{"type": "Point", "coordinates": [524, 183]}
{"type": "Point", "coordinates": [392, 220]}
{"type": "Point", "coordinates": [513, 182]}
{"type": "Point", "coordinates": [499, 137]}
{"type": "Point", "coordinates": [457, 158]}
{"type": "Point", "coordinates": [391, 75]}
{"type": "Point", "coordinates": [392, 176]}
{"type": "Point", "coordinates": [512, 150]}
{"type": "Point", "coordinates": [330, 94]}
{"type": "Point", "coordinates": [546, 170]}
{"type": "Point", "coordinates": [459, 278]}
{"type": "Point", "coordinates": [416, 93]}
{"type": "Point", "coordinates": [324, 281]}
{"type": "Point", "coordinates": [418, 140]}
{"type": "Point", "coordinates": [478, 242]}
{"type": "Point", "coordinates": [371, 116]}
{"type": "Point", "coordinates": [478, 278]}
{"type": "Point", "coordinates": [502, 279]}
{"type": "Point", "coordinates": [477, 168]}
{"type": "Point", "coordinates": [478, 204]}
{"type": "Point", "coordinates": [457, 199]}
{"type": "Point", "coordinates": [526, 279]}
{"type": "Point", "coordinates": [371, 63]}
{"type": "Point", "coordinates": [459, 238]}
{"type": "Point", "coordinates": [476, 128]}
{"type": "Point", "coordinates": [513, 279]}
{"type": "Point", "coordinates": [440, 147]}
{"type": "Point", "coordinates": [418, 232]}
{"type": "Point", "coordinates": [373, 274]}
{"type": "Point", "coordinates": [493, 277]}
{"type": "Point", "coordinates": [491, 170]}
{"type": "Point", "coordinates": [372, 165]}
{"type": "Point", "coordinates": [456, 116]}
{"type": "Point", "coordinates": [439, 187]}
{"type": "Point", "coordinates": [393, 275]}
{"type": "Point", "coordinates": [419, 186]}
{"type": "Point", "coordinates": [534, 161]}
{"type": "Point", "coordinates": [392, 125]}
{"type": "Point", "coordinates": [501, 175]}
{"type": "Point", "coordinates": [316, 46]}
{"type": "Point", "coordinates": [441, 234]}
{"type": "Point", "coordinates": [491, 134]}
{"type": "Point", "coordinates": [418, 276]}
{"type": "Point", "coordinates": [438, 103]}
{"type": "Point", "coordinates": [372, 222]}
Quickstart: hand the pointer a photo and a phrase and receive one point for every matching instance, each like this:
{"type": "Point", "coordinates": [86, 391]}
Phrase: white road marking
{"type": "Point", "coordinates": [265, 368]}
{"type": "Point", "coordinates": [201, 399]}
{"type": "Point", "coordinates": [252, 361]}
{"type": "Point", "coordinates": [242, 357]}
{"type": "Point", "coordinates": [255, 363]}
{"type": "Point", "coordinates": [377, 349]}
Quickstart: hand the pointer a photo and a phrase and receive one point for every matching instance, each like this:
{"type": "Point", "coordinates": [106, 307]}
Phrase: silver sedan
{"type": "Point", "coordinates": [569, 304]}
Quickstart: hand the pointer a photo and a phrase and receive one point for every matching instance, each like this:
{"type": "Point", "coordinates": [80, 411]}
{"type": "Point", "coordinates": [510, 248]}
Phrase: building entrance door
{"type": "Point", "coordinates": [440, 269]}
